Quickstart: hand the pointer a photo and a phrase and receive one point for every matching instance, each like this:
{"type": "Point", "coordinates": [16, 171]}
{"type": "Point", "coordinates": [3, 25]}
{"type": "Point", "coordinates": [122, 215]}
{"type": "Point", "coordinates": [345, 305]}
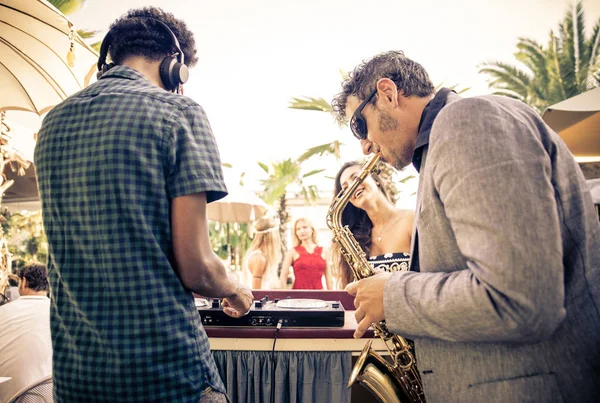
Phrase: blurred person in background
{"type": "Point", "coordinates": [25, 342]}
{"type": "Point", "coordinates": [264, 254]}
{"type": "Point", "coordinates": [307, 259]}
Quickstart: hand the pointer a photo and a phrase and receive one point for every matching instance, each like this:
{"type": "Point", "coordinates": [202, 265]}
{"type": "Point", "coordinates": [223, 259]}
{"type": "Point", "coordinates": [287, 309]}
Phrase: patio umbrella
{"type": "Point", "coordinates": [240, 205]}
{"type": "Point", "coordinates": [577, 121]}
{"type": "Point", "coordinates": [42, 59]}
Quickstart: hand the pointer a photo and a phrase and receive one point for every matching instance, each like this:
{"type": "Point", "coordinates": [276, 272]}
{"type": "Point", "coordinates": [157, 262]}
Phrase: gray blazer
{"type": "Point", "coordinates": [505, 307]}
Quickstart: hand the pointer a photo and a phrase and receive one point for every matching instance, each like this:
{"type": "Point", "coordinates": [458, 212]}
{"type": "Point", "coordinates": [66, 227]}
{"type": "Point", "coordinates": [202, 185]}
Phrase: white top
{"type": "Point", "coordinates": [25, 344]}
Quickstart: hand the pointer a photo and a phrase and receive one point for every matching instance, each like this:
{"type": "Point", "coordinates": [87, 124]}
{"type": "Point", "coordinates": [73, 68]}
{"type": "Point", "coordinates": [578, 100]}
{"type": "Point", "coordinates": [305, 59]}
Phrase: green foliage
{"type": "Point", "coordinates": [67, 7]}
{"type": "Point", "coordinates": [332, 148]}
{"type": "Point", "coordinates": [235, 235]}
{"type": "Point", "coordinates": [567, 66]}
{"type": "Point", "coordinates": [285, 173]}
{"type": "Point", "coordinates": [310, 104]}
{"type": "Point", "coordinates": [26, 238]}
{"type": "Point", "coordinates": [281, 175]}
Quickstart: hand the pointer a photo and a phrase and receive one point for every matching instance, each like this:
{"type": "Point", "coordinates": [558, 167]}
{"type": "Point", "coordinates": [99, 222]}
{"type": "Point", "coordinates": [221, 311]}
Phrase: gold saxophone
{"type": "Point", "coordinates": [400, 380]}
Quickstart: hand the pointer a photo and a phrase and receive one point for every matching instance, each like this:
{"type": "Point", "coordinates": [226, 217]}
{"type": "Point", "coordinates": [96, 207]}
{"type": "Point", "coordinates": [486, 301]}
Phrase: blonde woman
{"type": "Point", "coordinates": [307, 259]}
{"type": "Point", "coordinates": [264, 254]}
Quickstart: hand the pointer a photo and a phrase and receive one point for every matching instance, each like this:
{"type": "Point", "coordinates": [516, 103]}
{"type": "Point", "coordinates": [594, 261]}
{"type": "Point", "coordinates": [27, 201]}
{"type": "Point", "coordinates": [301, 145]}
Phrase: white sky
{"type": "Point", "coordinates": [255, 55]}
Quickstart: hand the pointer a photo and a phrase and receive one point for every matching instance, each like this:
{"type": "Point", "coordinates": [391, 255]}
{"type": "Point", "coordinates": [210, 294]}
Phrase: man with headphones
{"type": "Point", "coordinates": [125, 170]}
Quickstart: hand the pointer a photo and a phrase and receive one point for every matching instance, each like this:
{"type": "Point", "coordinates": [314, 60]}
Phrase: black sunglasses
{"type": "Point", "coordinates": [358, 125]}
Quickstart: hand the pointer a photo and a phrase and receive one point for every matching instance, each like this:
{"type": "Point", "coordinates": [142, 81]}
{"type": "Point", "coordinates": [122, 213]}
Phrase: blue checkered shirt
{"type": "Point", "coordinates": [109, 161]}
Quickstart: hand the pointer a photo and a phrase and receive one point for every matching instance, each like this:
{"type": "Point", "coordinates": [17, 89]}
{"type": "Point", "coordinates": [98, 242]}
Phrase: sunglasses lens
{"type": "Point", "coordinates": [358, 128]}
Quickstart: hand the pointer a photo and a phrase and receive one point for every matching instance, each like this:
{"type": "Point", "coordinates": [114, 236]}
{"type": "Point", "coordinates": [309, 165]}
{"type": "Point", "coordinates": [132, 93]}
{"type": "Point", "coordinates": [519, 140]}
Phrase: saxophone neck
{"type": "Point", "coordinates": [334, 216]}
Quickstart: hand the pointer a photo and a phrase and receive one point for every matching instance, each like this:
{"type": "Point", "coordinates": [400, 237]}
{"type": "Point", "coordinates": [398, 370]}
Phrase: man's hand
{"type": "Point", "coordinates": [368, 301]}
{"type": "Point", "coordinates": [239, 304]}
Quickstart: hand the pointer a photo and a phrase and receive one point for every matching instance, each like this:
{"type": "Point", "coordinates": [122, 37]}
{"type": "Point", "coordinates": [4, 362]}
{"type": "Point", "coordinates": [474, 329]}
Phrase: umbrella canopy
{"type": "Point", "coordinates": [37, 46]}
{"type": "Point", "coordinates": [240, 205]}
{"type": "Point", "coordinates": [577, 121]}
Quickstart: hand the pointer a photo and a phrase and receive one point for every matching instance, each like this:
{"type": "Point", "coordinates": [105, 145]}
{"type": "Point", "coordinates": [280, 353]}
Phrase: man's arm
{"type": "Point", "coordinates": [493, 176]}
{"type": "Point", "coordinates": [199, 269]}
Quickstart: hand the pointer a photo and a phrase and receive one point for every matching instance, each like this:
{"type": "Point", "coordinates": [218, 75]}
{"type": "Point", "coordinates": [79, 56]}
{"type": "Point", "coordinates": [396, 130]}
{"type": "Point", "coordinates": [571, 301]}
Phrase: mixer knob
{"type": "Point", "coordinates": [258, 304]}
{"type": "Point", "coordinates": [215, 303]}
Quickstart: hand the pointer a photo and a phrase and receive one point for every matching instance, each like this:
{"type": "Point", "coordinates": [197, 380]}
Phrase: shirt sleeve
{"type": "Point", "coordinates": [493, 175]}
{"type": "Point", "coordinates": [194, 163]}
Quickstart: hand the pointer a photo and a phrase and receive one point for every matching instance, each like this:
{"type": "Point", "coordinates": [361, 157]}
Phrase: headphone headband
{"type": "Point", "coordinates": [173, 69]}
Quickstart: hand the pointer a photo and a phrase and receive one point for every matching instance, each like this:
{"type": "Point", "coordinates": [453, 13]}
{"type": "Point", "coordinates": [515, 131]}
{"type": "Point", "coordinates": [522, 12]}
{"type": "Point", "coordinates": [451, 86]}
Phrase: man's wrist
{"type": "Point", "coordinates": [233, 290]}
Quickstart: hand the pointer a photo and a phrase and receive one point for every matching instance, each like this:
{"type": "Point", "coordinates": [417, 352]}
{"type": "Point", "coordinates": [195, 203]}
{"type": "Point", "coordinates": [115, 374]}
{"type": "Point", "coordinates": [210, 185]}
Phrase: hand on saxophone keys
{"type": "Point", "coordinates": [368, 301]}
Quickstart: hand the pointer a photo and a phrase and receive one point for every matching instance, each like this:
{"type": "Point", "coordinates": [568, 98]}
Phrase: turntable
{"type": "Point", "coordinates": [267, 313]}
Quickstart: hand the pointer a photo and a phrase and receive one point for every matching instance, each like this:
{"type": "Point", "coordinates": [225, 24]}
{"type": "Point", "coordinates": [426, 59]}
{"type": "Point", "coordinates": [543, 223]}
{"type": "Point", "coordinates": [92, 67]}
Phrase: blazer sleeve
{"type": "Point", "coordinates": [493, 175]}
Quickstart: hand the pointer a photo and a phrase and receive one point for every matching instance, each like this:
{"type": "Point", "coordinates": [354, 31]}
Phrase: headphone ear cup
{"type": "Point", "coordinates": [173, 73]}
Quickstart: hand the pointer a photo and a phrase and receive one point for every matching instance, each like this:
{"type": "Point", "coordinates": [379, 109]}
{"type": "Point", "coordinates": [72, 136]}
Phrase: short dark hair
{"type": "Point", "coordinates": [134, 35]}
{"type": "Point", "coordinates": [409, 76]}
{"type": "Point", "coordinates": [36, 275]}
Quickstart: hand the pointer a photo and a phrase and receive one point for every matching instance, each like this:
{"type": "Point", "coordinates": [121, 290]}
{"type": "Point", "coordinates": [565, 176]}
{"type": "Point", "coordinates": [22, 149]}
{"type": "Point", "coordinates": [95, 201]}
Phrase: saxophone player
{"type": "Point", "coordinates": [503, 296]}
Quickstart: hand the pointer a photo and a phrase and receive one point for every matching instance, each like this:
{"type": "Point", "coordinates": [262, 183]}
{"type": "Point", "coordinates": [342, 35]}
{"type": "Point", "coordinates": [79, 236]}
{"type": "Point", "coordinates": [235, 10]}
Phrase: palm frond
{"type": "Point", "coordinates": [67, 7]}
{"type": "Point", "coordinates": [593, 50]}
{"type": "Point", "coordinates": [264, 166]}
{"type": "Point", "coordinates": [311, 173]}
{"type": "Point", "coordinates": [96, 46]}
{"type": "Point", "coordinates": [310, 104]}
{"type": "Point", "coordinates": [533, 56]}
{"type": "Point", "coordinates": [507, 77]}
{"type": "Point", "coordinates": [406, 178]}
{"type": "Point", "coordinates": [332, 148]}
{"type": "Point", "coordinates": [86, 33]}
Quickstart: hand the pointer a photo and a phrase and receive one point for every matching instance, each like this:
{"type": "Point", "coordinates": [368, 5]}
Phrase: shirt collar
{"type": "Point", "coordinates": [33, 297]}
{"type": "Point", "coordinates": [429, 114]}
{"type": "Point", "coordinates": [123, 72]}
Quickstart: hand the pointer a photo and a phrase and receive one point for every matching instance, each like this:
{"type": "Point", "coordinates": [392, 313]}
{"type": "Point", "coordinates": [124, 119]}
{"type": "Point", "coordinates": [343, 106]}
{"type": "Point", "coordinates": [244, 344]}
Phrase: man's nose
{"type": "Point", "coordinates": [368, 147]}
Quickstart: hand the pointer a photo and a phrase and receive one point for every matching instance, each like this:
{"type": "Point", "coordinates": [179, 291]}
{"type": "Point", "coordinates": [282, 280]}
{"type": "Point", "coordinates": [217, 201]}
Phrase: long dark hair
{"type": "Point", "coordinates": [358, 222]}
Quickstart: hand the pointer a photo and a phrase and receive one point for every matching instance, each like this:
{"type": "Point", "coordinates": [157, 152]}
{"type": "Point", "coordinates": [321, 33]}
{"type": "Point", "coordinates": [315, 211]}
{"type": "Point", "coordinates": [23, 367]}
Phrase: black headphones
{"type": "Point", "coordinates": [173, 71]}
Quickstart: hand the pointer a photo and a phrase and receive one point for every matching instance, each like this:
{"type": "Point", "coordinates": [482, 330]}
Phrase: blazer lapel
{"type": "Point", "coordinates": [413, 263]}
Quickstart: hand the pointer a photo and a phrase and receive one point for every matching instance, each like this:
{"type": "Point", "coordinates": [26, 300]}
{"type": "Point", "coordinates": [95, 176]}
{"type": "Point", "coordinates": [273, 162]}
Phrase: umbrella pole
{"type": "Point", "coordinates": [229, 246]}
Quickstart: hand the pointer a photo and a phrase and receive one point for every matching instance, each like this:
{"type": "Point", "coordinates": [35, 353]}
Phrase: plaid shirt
{"type": "Point", "coordinates": [109, 161]}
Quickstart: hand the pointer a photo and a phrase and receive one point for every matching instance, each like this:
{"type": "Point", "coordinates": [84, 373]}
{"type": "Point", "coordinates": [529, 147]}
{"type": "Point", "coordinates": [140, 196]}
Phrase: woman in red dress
{"type": "Point", "coordinates": [307, 259]}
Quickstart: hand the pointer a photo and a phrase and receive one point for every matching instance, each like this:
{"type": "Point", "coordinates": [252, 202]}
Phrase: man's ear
{"type": "Point", "coordinates": [388, 90]}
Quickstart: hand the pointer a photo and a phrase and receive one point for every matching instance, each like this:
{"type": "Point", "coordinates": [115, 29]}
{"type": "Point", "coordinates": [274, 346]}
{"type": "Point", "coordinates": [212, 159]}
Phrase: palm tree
{"type": "Point", "coordinates": [281, 175]}
{"type": "Point", "coordinates": [568, 66]}
{"type": "Point", "coordinates": [68, 7]}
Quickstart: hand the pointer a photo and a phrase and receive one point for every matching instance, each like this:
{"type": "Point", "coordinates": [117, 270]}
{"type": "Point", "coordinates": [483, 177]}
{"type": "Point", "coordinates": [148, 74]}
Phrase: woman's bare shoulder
{"type": "Point", "coordinates": [405, 215]}
{"type": "Point", "coordinates": [291, 254]}
{"type": "Point", "coordinates": [256, 257]}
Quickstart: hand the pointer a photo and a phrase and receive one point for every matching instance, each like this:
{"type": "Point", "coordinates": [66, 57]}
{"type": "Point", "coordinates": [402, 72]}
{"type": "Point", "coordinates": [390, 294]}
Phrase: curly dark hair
{"type": "Point", "coordinates": [409, 76]}
{"type": "Point", "coordinates": [357, 221]}
{"type": "Point", "coordinates": [36, 275]}
{"type": "Point", "coordinates": [135, 35]}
